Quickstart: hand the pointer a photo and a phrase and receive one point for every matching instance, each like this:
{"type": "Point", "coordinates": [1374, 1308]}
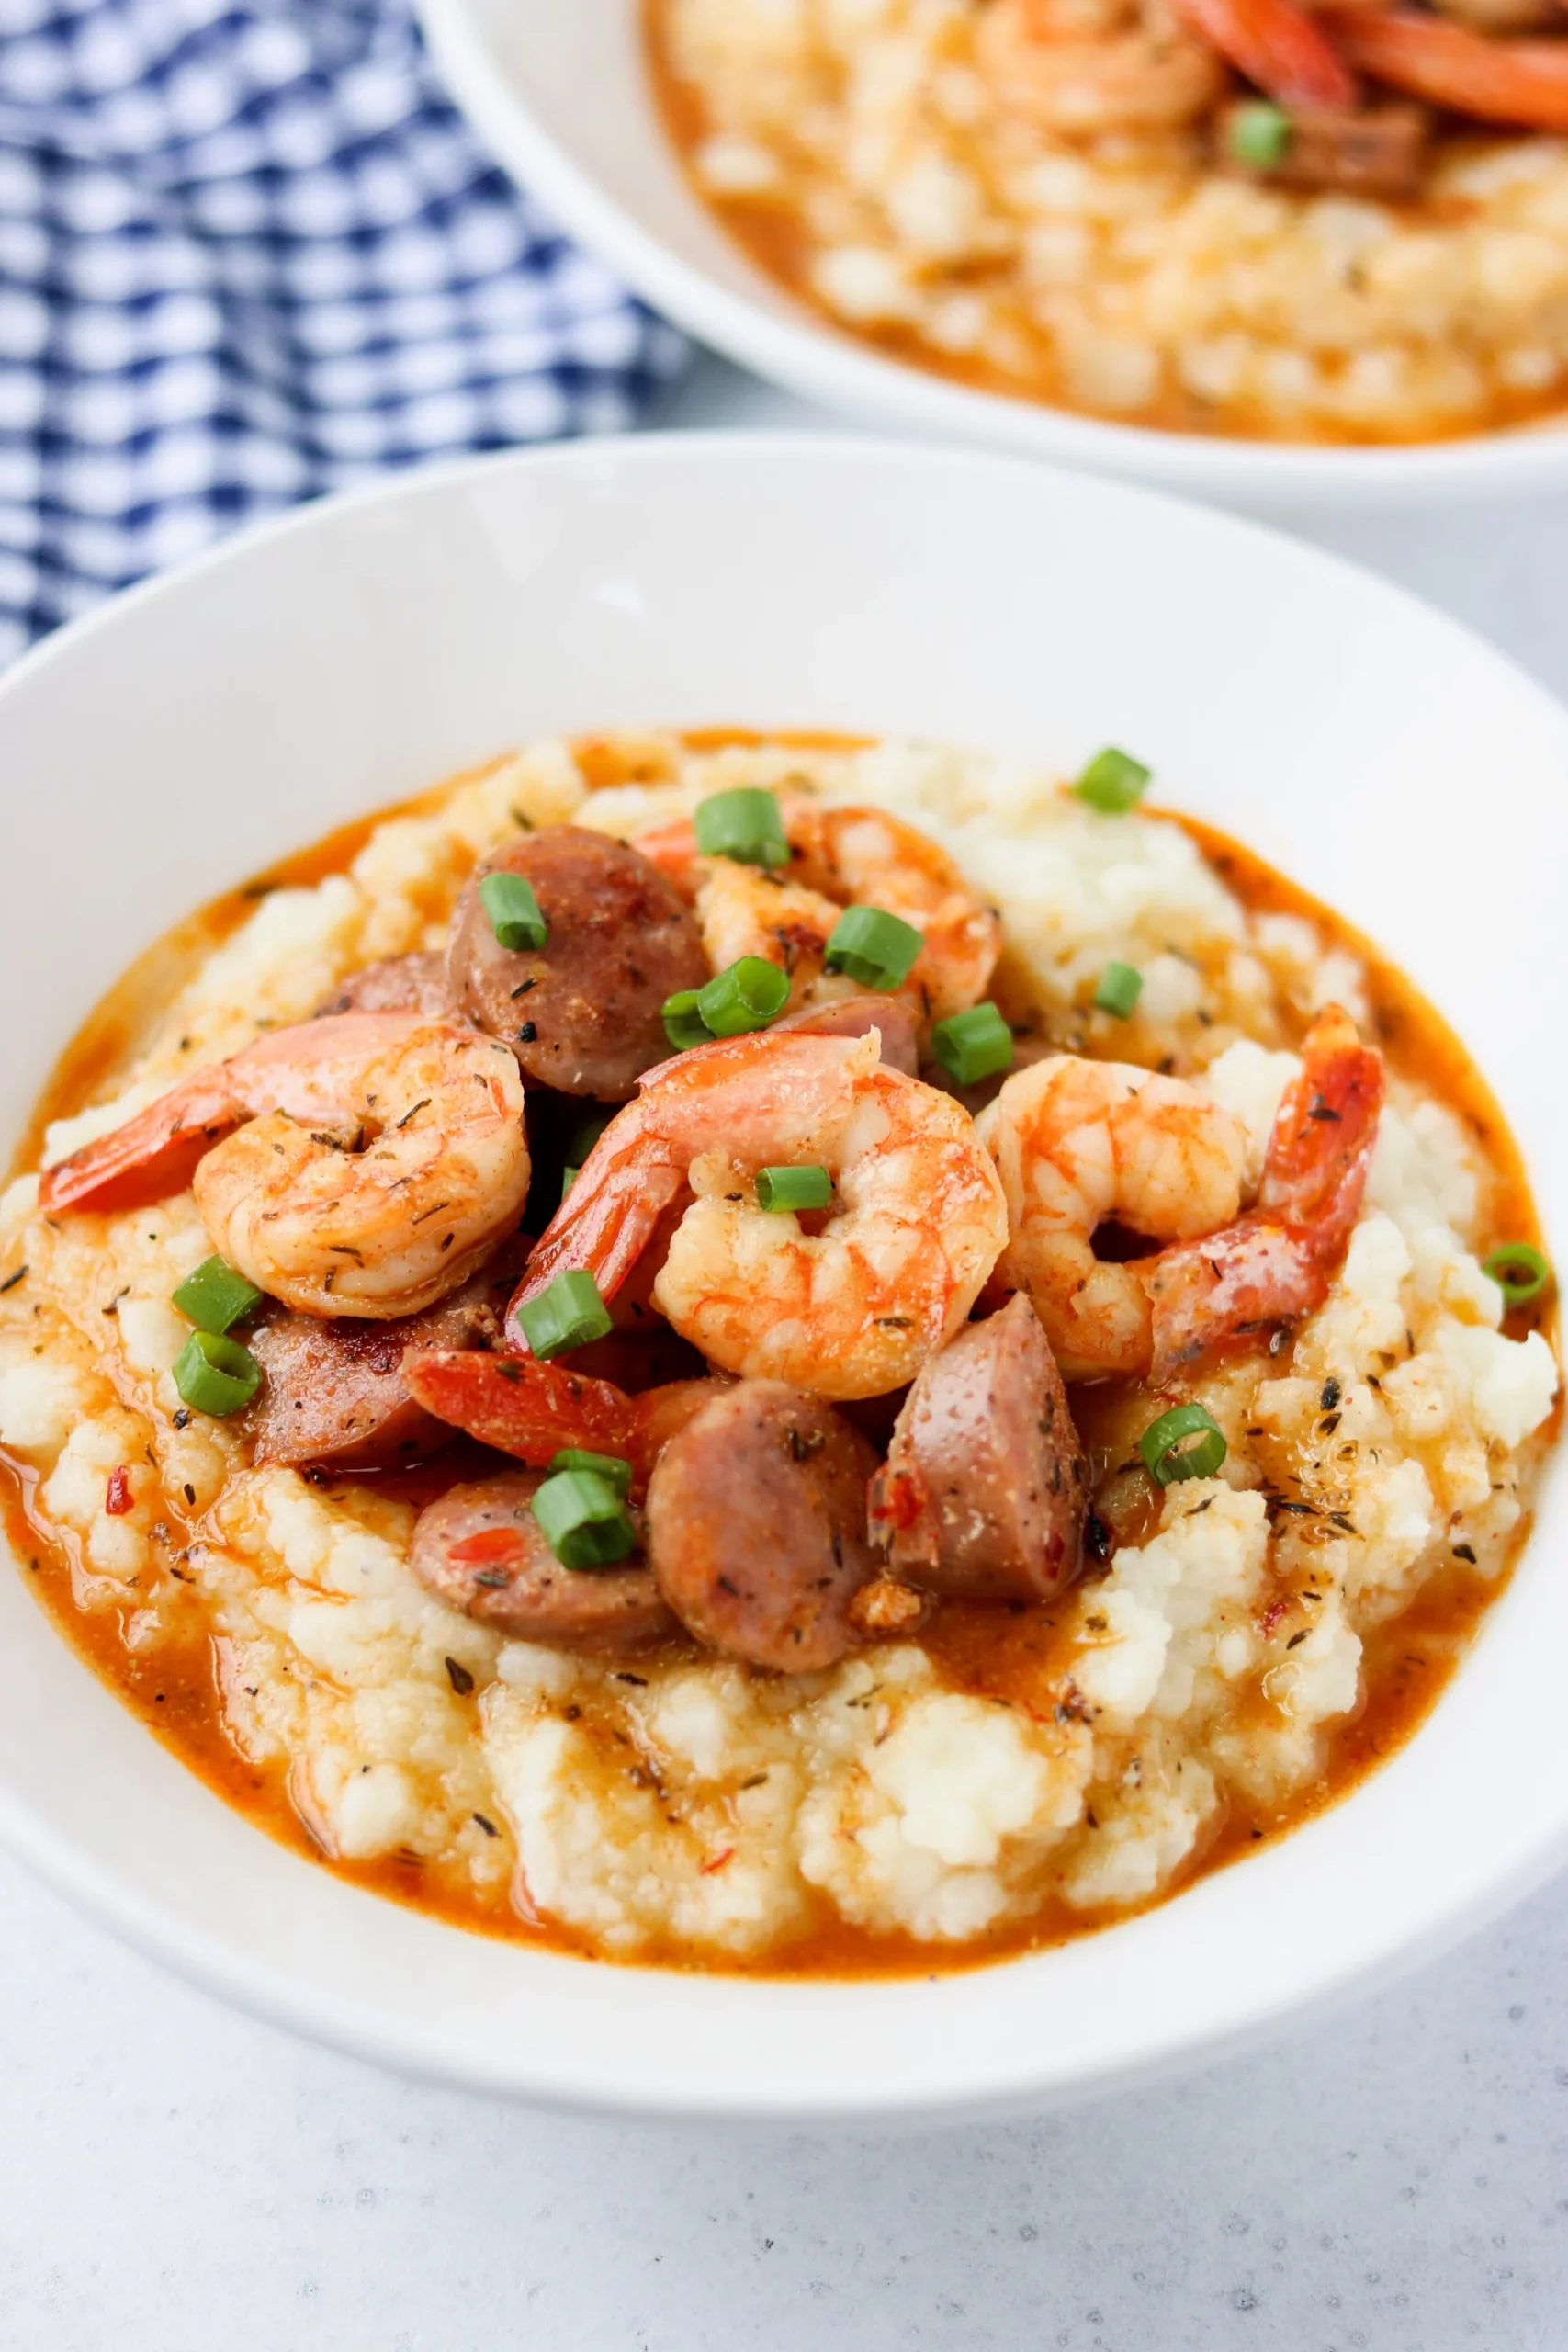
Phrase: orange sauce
{"type": "Point", "coordinates": [1009, 1654]}
{"type": "Point", "coordinates": [772, 233]}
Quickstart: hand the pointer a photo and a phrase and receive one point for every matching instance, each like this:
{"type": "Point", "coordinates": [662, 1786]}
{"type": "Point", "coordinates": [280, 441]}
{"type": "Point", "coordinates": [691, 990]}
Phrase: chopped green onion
{"type": "Point", "coordinates": [793, 1188]}
{"type": "Point", "coordinates": [1120, 985]}
{"type": "Point", "coordinates": [973, 1044]}
{"type": "Point", "coordinates": [586, 1524]}
{"type": "Point", "coordinates": [1160, 1443]}
{"type": "Point", "coordinates": [746, 995]}
{"type": "Point", "coordinates": [1519, 1270]}
{"type": "Point", "coordinates": [215, 1297]}
{"type": "Point", "coordinates": [873, 947]}
{"type": "Point", "coordinates": [1260, 134]}
{"type": "Point", "coordinates": [1113, 782]}
{"type": "Point", "coordinates": [216, 1375]}
{"type": "Point", "coordinates": [615, 1471]}
{"type": "Point", "coordinates": [513, 911]}
{"type": "Point", "coordinates": [743, 824]}
{"type": "Point", "coordinates": [567, 1315]}
{"type": "Point", "coordinates": [684, 1024]}
{"type": "Point", "coordinates": [569, 1177]}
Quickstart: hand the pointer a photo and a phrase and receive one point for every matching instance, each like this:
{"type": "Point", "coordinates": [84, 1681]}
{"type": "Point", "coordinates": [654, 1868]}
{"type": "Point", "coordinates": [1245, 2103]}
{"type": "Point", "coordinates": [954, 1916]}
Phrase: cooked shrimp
{"type": "Point", "coordinates": [1083, 1144]}
{"type": "Point", "coordinates": [1279, 47]}
{"type": "Point", "coordinates": [1524, 82]}
{"type": "Point", "coordinates": [838, 857]}
{"type": "Point", "coordinates": [1087, 66]}
{"type": "Point", "coordinates": [379, 1158]}
{"type": "Point", "coordinates": [917, 1222]}
{"type": "Point", "coordinates": [1277, 1260]}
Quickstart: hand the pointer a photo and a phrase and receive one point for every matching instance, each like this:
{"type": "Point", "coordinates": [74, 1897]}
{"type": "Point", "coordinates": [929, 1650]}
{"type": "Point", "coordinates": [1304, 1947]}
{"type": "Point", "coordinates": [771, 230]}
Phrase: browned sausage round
{"type": "Point", "coordinates": [334, 1391]}
{"type": "Point", "coordinates": [852, 1016]}
{"type": "Point", "coordinates": [986, 1487]}
{"type": "Point", "coordinates": [398, 984]}
{"type": "Point", "coordinates": [480, 1549]}
{"type": "Point", "coordinates": [756, 1525]}
{"type": "Point", "coordinates": [582, 1013]}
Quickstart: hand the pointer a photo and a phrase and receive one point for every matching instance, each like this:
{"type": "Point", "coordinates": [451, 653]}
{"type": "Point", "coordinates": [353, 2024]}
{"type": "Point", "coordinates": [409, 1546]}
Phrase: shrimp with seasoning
{"type": "Point", "coordinates": [1082, 67]}
{"type": "Point", "coordinates": [365, 1163]}
{"type": "Point", "coordinates": [1083, 1145]}
{"type": "Point", "coordinates": [838, 857]}
{"type": "Point", "coordinates": [917, 1222]}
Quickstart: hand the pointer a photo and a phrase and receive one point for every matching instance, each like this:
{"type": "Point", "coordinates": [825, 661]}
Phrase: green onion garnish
{"type": "Point", "coordinates": [1120, 985]}
{"type": "Point", "coordinates": [1260, 134]}
{"type": "Point", "coordinates": [1113, 782]}
{"type": "Point", "coordinates": [586, 1524]}
{"type": "Point", "coordinates": [1519, 1270]}
{"type": "Point", "coordinates": [873, 947]}
{"type": "Point", "coordinates": [793, 1188]}
{"type": "Point", "coordinates": [746, 995]}
{"type": "Point", "coordinates": [973, 1044]}
{"type": "Point", "coordinates": [1160, 1443]}
{"type": "Point", "coordinates": [216, 1375]}
{"type": "Point", "coordinates": [684, 1024]}
{"type": "Point", "coordinates": [743, 824]}
{"type": "Point", "coordinates": [615, 1472]}
{"type": "Point", "coordinates": [513, 911]}
{"type": "Point", "coordinates": [215, 1297]}
{"type": "Point", "coordinates": [567, 1315]}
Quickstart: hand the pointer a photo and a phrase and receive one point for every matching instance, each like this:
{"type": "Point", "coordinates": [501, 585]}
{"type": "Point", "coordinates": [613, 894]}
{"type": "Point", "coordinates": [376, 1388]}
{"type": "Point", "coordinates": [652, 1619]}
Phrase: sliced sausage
{"type": "Point", "coordinates": [852, 1016]}
{"type": "Point", "coordinates": [1378, 150]}
{"type": "Point", "coordinates": [480, 1549]}
{"type": "Point", "coordinates": [398, 984]}
{"type": "Point", "coordinates": [581, 1013]}
{"type": "Point", "coordinates": [660, 1414]}
{"type": "Point", "coordinates": [334, 1391]}
{"type": "Point", "coordinates": [756, 1525]}
{"type": "Point", "coordinates": [986, 1487]}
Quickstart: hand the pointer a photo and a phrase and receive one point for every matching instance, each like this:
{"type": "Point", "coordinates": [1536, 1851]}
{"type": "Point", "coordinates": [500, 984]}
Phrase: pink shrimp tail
{"type": "Point", "coordinates": [1276, 1263]}
{"type": "Point", "coordinates": [1279, 47]}
{"type": "Point", "coordinates": [297, 1070]}
{"type": "Point", "coordinates": [155, 1154]}
{"type": "Point", "coordinates": [602, 1228]}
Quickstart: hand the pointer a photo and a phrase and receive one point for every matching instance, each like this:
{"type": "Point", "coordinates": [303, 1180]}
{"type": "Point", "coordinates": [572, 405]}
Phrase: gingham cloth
{"type": "Point", "coordinates": [251, 253]}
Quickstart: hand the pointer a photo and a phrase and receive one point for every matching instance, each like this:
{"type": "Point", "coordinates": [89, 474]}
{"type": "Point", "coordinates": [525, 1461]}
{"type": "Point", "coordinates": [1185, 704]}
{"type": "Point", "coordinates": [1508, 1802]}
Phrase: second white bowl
{"type": "Point", "coordinates": [563, 97]}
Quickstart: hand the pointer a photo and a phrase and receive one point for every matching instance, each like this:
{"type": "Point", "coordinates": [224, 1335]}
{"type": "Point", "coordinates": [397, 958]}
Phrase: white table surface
{"type": "Point", "coordinates": [174, 2178]}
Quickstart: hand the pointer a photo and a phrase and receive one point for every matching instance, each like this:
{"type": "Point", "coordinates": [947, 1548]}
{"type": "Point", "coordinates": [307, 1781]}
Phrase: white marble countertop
{"type": "Point", "coordinates": [173, 2176]}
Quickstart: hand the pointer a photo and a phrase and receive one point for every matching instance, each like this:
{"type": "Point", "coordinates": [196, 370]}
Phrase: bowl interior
{"type": "Point", "coordinates": [563, 99]}
{"type": "Point", "coordinates": [193, 729]}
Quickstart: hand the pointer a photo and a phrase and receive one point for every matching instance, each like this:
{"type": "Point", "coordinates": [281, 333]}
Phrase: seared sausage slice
{"type": "Point", "coordinates": [336, 1392]}
{"type": "Point", "coordinates": [660, 1414]}
{"type": "Point", "coordinates": [853, 1016]}
{"type": "Point", "coordinates": [398, 984]}
{"type": "Point", "coordinates": [1377, 151]}
{"type": "Point", "coordinates": [986, 1485]}
{"type": "Point", "coordinates": [582, 1013]}
{"type": "Point", "coordinates": [756, 1525]}
{"type": "Point", "coordinates": [480, 1549]}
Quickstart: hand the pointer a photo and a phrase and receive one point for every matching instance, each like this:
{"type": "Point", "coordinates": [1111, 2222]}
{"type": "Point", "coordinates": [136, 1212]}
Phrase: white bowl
{"type": "Point", "coordinates": [180, 739]}
{"type": "Point", "coordinates": [563, 96]}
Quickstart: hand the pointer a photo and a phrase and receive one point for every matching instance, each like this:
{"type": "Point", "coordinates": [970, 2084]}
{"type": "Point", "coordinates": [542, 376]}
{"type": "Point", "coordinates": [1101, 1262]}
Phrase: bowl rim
{"type": "Point", "coordinates": [426, 2049]}
{"type": "Point", "coordinates": [808, 356]}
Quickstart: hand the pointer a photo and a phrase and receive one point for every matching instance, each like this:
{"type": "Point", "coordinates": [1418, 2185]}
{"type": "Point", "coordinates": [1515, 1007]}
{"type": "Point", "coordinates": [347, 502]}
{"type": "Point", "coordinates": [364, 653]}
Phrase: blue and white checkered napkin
{"type": "Point", "coordinates": [249, 252]}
